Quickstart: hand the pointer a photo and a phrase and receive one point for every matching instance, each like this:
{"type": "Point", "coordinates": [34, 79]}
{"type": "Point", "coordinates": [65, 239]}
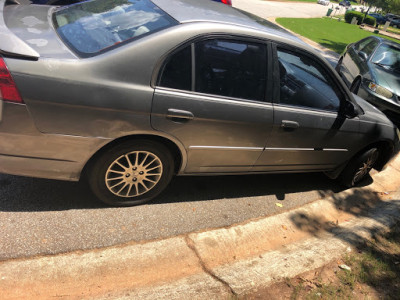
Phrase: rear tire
{"type": "Point", "coordinates": [359, 167]}
{"type": "Point", "coordinates": [131, 173]}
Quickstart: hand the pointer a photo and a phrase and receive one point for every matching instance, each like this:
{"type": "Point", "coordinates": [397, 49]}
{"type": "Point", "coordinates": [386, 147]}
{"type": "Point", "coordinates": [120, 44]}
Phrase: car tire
{"type": "Point", "coordinates": [358, 168]}
{"type": "Point", "coordinates": [131, 173]}
{"type": "Point", "coordinates": [337, 68]}
{"type": "Point", "coordinates": [355, 86]}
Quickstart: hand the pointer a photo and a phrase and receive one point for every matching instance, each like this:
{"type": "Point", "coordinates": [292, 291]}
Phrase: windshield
{"type": "Point", "coordinates": [388, 57]}
{"type": "Point", "coordinates": [92, 27]}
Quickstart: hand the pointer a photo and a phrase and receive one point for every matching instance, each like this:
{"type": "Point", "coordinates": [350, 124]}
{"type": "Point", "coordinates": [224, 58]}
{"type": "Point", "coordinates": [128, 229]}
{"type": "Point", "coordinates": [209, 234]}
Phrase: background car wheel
{"type": "Point", "coordinates": [359, 167]}
{"type": "Point", "coordinates": [131, 173]}
{"type": "Point", "coordinates": [355, 86]}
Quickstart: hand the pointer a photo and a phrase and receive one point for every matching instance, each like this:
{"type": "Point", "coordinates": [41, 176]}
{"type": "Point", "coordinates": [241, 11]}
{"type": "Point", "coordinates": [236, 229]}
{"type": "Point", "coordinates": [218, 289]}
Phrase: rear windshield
{"type": "Point", "coordinates": [92, 27]}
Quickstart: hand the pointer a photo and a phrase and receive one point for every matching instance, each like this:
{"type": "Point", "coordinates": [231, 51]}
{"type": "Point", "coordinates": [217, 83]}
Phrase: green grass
{"type": "Point", "coordinates": [328, 32]}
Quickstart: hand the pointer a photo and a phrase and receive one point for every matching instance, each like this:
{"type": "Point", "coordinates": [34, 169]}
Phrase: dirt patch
{"type": "Point", "coordinates": [371, 271]}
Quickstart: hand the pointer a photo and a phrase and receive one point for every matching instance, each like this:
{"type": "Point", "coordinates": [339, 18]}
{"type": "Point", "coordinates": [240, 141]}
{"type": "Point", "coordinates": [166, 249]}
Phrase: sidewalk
{"type": "Point", "coordinates": [217, 264]}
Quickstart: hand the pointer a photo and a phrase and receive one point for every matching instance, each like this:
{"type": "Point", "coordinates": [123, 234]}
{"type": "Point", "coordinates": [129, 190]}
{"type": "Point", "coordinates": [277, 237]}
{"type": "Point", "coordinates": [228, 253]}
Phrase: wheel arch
{"type": "Point", "coordinates": [385, 149]}
{"type": "Point", "coordinates": [178, 151]}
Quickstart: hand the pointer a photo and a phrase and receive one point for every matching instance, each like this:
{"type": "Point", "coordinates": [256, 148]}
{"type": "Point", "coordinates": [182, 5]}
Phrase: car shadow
{"type": "Point", "coordinates": [337, 47]}
{"type": "Point", "coordinates": [223, 187]}
{"type": "Point", "coordinates": [32, 194]}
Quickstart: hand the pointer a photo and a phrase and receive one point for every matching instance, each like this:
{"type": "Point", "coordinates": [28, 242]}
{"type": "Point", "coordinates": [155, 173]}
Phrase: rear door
{"type": "Point", "coordinates": [211, 95]}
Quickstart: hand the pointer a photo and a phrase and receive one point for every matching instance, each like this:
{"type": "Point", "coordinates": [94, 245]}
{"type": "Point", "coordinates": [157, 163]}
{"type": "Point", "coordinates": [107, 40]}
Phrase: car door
{"type": "Point", "coordinates": [309, 132]}
{"type": "Point", "coordinates": [355, 59]}
{"type": "Point", "coordinates": [211, 96]}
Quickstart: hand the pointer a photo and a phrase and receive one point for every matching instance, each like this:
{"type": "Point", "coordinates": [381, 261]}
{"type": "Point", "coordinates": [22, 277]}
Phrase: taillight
{"type": "Point", "coordinates": [8, 89]}
{"type": "Point", "coordinates": [229, 2]}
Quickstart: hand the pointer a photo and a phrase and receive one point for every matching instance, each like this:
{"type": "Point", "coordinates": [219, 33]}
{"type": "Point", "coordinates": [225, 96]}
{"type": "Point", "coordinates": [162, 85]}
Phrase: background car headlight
{"type": "Point", "coordinates": [380, 90]}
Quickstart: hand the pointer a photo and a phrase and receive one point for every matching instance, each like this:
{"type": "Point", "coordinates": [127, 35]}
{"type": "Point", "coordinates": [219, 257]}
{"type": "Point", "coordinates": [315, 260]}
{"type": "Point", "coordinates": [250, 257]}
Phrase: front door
{"type": "Point", "coordinates": [309, 132]}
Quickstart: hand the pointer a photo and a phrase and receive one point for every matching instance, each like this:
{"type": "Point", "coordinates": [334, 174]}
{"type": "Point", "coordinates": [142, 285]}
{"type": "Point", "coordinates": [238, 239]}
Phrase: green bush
{"type": "Point", "coordinates": [360, 16]}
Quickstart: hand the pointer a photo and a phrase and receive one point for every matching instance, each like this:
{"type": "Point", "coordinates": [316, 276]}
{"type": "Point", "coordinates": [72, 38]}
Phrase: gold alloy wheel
{"type": "Point", "coordinates": [133, 174]}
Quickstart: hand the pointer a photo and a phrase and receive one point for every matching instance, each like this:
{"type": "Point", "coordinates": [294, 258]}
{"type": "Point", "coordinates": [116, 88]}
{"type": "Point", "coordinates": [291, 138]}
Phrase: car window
{"type": "Point", "coordinates": [305, 83]}
{"type": "Point", "coordinates": [369, 47]}
{"type": "Point", "coordinates": [91, 27]}
{"type": "Point", "coordinates": [361, 44]}
{"type": "Point", "coordinates": [388, 57]}
{"type": "Point", "coordinates": [177, 72]}
{"type": "Point", "coordinates": [231, 68]}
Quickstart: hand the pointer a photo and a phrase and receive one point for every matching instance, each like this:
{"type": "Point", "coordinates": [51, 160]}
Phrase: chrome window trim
{"type": "Point", "coordinates": [208, 97]}
{"type": "Point", "coordinates": [288, 107]}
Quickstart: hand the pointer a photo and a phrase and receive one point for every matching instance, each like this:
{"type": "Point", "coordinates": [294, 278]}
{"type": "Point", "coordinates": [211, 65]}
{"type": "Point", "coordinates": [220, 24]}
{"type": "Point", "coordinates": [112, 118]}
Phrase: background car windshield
{"type": "Point", "coordinates": [93, 26]}
{"type": "Point", "coordinates": [388, 57]}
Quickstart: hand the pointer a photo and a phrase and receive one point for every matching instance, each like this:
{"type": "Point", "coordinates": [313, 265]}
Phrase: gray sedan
{"type": "Point", "coordinates": [127, 93]}
{"type": "Point", "coordinates": [371, 68]}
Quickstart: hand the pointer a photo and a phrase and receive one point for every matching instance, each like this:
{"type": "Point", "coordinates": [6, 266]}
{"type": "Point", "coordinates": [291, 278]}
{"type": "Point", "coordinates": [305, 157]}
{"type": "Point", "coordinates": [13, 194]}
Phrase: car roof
{"type": "Point", "coordinates": [187, 11]}
{"type": "Point", "coordinates": [385, 41]}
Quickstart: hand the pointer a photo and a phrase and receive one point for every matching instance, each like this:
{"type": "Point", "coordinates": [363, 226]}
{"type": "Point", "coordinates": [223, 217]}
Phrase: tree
{"type": "Point", "coordinates": [393, 6]}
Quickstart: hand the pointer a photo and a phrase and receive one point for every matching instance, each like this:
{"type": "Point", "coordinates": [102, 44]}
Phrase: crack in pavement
{"type": "Point", "coordinates": [190, 243]}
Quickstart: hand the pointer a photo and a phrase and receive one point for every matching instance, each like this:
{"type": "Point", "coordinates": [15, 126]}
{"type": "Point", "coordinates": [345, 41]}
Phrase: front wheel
{"type": "Point", "coordinates": [131, 173]}
{"type": "Point", "coordinates": [359, 167]}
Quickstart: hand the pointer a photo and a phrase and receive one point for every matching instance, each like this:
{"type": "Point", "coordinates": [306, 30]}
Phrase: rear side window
{"type": "Point", "coordinates": [232, 69]}
{"type": "Point", "coordinates": [227, 68]}
{"type": "Point", "coordinates": [177, 73]}
{"type": "Point", "coordinates": [92, 27]}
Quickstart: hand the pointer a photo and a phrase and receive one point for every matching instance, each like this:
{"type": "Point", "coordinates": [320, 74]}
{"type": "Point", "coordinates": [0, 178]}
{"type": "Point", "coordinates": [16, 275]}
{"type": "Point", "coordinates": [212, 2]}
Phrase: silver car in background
{"type": "Point", "coordinates": [127, 93]}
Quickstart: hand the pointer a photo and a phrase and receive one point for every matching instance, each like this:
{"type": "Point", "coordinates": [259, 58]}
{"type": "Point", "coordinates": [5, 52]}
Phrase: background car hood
{"type": "Point", "coordinates": [371, 113]}
{"type": "Point", "coordinates": [385, 78]}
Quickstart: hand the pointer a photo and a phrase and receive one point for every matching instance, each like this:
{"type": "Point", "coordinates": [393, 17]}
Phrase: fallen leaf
{"type": "Point", "coordinates": [345, 267]}
{"type": "Point", "coordinates": [279, 204]}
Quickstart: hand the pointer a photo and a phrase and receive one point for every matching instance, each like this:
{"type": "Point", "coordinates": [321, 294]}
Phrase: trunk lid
{"type": "Point", "coordinates": [30, 31]}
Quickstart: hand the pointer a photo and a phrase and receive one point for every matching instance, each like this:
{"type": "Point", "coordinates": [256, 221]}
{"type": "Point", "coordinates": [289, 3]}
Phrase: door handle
{"type": "Point", "coordinates": [289, 124]}
{"type": "Point", "coordinates": [178, 115]}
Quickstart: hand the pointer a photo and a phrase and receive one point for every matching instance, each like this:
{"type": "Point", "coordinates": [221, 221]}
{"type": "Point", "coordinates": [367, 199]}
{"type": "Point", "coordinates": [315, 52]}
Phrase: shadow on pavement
{"type": "Point", "coordinates": [338, 47]}
{"type": "Point", "coordinates": [360, 204]}
{"type": "Point", "coordinates": [32, 194]}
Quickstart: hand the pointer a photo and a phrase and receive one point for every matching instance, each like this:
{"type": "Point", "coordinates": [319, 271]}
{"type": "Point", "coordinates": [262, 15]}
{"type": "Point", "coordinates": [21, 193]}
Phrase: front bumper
{"type": "Point", "coordinates": [388, 107]}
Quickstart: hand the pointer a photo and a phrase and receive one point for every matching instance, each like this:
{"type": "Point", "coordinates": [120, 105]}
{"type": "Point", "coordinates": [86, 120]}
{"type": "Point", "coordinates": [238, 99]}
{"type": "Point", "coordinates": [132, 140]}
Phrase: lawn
{"type": "Point", "coordinates": [328, 32]}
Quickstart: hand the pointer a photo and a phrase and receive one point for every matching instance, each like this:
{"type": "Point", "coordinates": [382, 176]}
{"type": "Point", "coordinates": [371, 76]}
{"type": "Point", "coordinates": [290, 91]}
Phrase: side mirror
{"type": "Point", "coordinates": [350, 110]}
{"type": "Point", "coordinates": [363, 55]}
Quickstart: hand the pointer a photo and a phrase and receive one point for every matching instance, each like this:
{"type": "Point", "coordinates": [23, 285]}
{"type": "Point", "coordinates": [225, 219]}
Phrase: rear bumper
{"type": "Point", "coordinates": [26, 151]}
{"type": "Point", "coordinates": [40, 167]}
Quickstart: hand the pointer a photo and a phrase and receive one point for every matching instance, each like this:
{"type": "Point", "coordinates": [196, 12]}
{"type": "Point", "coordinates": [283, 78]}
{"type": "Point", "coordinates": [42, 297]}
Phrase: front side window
{"type": "Point", "coordinates": [304, 83]}
{"type": "Point", "coordinates": [91, 27]}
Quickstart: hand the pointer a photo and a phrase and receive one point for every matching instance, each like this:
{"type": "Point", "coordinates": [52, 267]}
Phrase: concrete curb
{"type": "Point", "coordinates": [216, 264]}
